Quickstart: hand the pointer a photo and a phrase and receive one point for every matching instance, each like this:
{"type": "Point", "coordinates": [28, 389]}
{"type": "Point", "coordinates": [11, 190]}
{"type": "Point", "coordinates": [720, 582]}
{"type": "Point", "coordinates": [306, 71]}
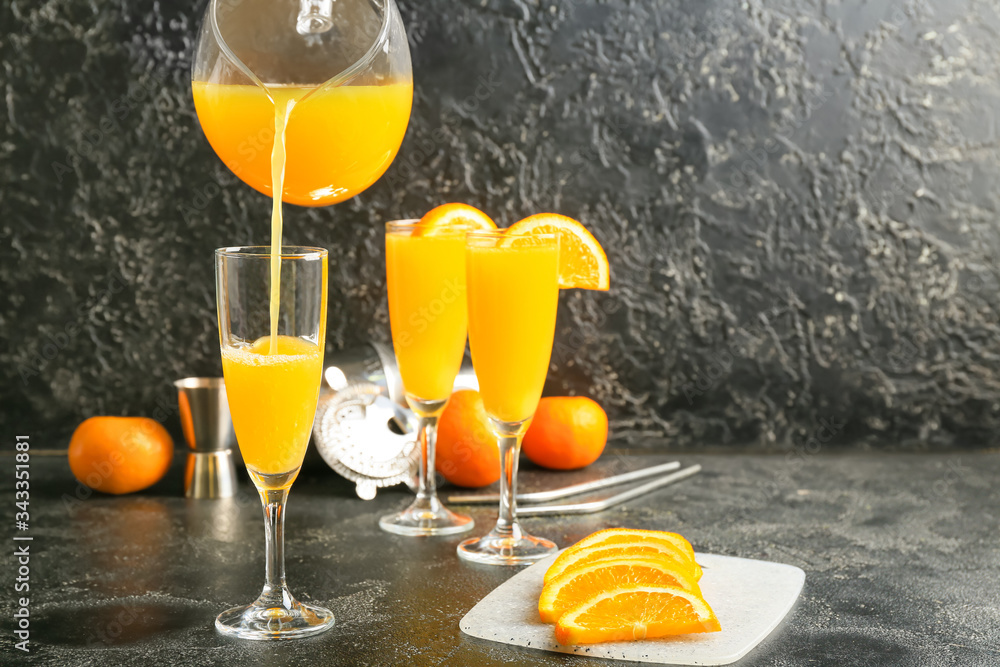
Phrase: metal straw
{"type": "Point", "coordinates": [575, 489]}
{"type": "Point", "coordinates": [598, 505]}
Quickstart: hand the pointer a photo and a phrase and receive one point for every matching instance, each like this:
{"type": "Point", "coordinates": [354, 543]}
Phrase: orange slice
{"type": "Point", "coordinates": [636, 611]}
{"type": "Point", "coordinates": [582, 261]}
{"type": "Point", "coordinates": [580, 584]}
{"type": "Point", "coordinates": [449, 216]}
{"type": "Point", "coordinates": [576, 558]}
{"type": "Point", "coordinates": [609, 536]}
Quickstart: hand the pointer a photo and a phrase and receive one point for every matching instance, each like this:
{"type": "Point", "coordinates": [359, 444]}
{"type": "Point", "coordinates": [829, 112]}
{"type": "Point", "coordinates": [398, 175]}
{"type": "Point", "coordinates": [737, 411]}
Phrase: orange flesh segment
{"type": "Point", "coordinates": [636, 612]}
{"type": "Point", "coordinates": [613, 536]}
{"type": "Point", "coordinates": [572, 559]}
{"type": "Point", "coordinates": [578, 585]}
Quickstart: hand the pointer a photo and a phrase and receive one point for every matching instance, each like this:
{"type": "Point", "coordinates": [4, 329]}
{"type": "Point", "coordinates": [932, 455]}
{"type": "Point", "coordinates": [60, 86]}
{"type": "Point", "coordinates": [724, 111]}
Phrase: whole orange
{"type": "Point", "coordinates": [567, 432]}
{"type": "Point", "coordinates": [120, 454]}
{"type": "Point", "coordinates": [467, 453]}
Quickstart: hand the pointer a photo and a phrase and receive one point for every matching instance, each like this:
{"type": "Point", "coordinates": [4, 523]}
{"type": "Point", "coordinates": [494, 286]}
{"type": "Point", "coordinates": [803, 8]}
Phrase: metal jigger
{"type": "Point", "coordinates": [208, 429]}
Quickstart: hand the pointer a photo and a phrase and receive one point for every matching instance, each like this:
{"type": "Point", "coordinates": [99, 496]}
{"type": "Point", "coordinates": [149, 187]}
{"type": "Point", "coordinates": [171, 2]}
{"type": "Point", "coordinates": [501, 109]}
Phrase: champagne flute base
{"type": "Point", "coordinates": [426, 517]}
{"type": "Point", "coordinates": [518, 548]}
{"type": "Point", "coordinates": [291, 620]}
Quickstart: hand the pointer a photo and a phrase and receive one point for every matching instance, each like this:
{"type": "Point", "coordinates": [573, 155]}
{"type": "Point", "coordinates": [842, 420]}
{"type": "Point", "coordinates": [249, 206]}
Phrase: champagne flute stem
{"type": "Point", "coordinates": [510, 447]}
{"type": "Point", "coordinates": [275, 591]}
{"type": "Point", "coordinates": [427, 438]}
{"type": "Point", "coordinates": [426, 515]}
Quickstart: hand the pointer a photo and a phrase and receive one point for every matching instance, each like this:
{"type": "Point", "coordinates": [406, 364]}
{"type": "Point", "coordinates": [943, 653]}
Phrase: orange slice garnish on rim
{"type": "Point", "coordinates": [636, 611]}
{"type": "Point", "coordinates": [450, 216]}
{"type": "Point", "coordinates": [579, 585]}
{"type": "Point", "coordinates": [582, 261]}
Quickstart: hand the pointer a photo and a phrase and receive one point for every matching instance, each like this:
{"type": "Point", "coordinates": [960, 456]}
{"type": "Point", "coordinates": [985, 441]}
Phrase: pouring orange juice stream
{"type": "Point", "coordinates": [328, 144]}
{"type": "Point", "coordinates": [282, 108]}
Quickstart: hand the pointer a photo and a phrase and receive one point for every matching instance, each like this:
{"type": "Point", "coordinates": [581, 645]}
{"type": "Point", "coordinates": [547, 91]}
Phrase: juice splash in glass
{"type": "Point", "coordinates": [425, 276]}
{"type": "Point", "coordinates": [272, 399]}
{"type": "Point", "coordinates": [513, 292]}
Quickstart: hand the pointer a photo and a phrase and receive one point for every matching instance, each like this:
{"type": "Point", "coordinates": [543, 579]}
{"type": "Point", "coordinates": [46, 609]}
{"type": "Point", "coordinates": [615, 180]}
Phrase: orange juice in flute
{"type": "Point", "coordinates": [513, 282]}
{"type": "Point", "coordinates": [425, 279]}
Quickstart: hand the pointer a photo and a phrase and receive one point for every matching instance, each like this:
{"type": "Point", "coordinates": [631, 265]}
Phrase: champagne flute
{"type": "Point", "coordinates": [425, 277]}
{"type": "Point", "coordinates": [272, 393]}
{"type": "Point", "coordinates": [513, 290]}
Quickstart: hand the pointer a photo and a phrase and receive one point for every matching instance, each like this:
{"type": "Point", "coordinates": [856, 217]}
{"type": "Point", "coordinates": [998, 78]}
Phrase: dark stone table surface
{"type": "Point", "coordinates": [900, 553]}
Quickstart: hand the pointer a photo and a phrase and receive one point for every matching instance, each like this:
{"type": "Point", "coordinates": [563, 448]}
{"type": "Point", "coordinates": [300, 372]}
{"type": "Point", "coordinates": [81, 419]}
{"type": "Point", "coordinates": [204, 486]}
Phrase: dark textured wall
{"type": "Point", "coordinates": [797, 199]}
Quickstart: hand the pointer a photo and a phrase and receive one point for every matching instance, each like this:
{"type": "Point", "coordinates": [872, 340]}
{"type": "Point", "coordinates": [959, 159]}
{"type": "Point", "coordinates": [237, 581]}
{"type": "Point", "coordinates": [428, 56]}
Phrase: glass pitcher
{"type": "Point", "coordinates": [341, 68]}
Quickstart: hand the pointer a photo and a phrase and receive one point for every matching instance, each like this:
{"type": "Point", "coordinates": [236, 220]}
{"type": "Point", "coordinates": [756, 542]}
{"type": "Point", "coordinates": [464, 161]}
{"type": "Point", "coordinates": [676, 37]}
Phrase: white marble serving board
{"type": "Point", "coordinates": [750, 597]}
